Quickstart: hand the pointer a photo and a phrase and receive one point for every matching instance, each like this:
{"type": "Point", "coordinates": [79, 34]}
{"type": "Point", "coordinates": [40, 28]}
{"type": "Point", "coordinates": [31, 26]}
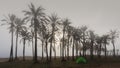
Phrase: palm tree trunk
{"type": "Point", "coordinates": [113, 49]}
{"type": "Point", "coordinates": [33, 50]}
{"type": "Point", "coordinates": [76, 49]}
{"type": "Point", "coordinates": [63, 46]}
{"type": "Point", "coordinates": [91, 50]}
{"type": "Point", "coordinates": [24, 50]}
{"type": "Point", "coordinates": [50, 50]}
{"type": "Point", "coordinates": [73, 50]}
{"type": "Point", "coordinates": [84, 48]}
{"type": "Point", "coordinates": [65, 52]}
{"type": "Point", "coordinates": [105, 50]}
{"type": "Point", "coordinates": [42, 48]}
{"type": "Point", "coordinates": [60, 50]}
{"type": "Point", "coordinates": [99, 53]}
{"type": "Point", "coordinates": [68, 49]}
{"type": "Point", "coordinates": [16, 46]}
{"type": "Point", "coordinates": [54, 51]}
{"type": "Point", "coordinates": [11, 51]}
{"type": "Point", "coordinates": [68, 52]}
{"type": "Point", "coordinates": [46, 49]}
{"type": "Point", "coordinates": [51, 42]}
{"type": "Point", "coordinates": [35, 30]}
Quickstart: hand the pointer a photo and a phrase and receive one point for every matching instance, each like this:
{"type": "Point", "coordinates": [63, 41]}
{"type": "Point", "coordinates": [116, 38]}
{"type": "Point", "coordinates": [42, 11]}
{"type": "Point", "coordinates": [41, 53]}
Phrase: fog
{"type": "Point", "coordinates": [99, 15]}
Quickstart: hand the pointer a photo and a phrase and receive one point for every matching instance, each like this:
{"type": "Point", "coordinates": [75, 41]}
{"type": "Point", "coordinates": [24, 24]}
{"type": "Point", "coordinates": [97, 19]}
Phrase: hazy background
{"type": "Point", "coordinates": [98, 15]}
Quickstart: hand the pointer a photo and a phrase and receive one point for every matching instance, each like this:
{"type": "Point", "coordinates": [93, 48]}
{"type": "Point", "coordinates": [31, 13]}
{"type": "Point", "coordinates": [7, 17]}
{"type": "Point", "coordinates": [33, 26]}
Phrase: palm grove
{"type": "Point", "coordinates": [49, 30]}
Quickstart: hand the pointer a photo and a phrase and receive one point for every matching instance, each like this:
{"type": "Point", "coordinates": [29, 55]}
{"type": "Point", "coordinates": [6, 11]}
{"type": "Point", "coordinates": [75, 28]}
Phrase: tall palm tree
{"type": "Point", "coordinates": [65, 23]}
{"type": "Point", "coordinates": [54, 21]}
{"type": "Point", "coordinates": [73, 40]}
{"type": "Point", "coordinates": [99, 40]}
{"type": "Point", "coordinates": [10, 21]}
{"type": "Point", "coordinates": [61, 39]}
{"type": "Point", "coordinates": [113, 36]}
{"type": "Point", "coordinates": [84, 35]}
{"type": "Point", "coordinates": [19, 25]}
{"type": "Point", "coordinates": [92, 40]}
{"type": "Point", "coordinates": [69, 35]}
{"type": "Point", "coordinates": [43, 29]}
{"type": "Point", "coordinates": [47, 36]}
{"type": "Point", "coordinates": [77, 38]}
{"type": "Point", "coordinates": [25, 36]}
{"type": "Point", "coordinates": [33, 15]}
{"type": "Point", "coordinates": [106, 40]}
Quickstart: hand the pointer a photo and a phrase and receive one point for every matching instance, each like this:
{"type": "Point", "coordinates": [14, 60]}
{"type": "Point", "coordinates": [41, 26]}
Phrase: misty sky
{"type": "Point", "coordinates": [98, 15]}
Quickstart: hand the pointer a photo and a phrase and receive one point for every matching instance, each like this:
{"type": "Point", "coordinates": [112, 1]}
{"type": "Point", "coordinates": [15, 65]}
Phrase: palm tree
{"type": "Point", "coordinates": [65, 23]}
{"type": "Point", "coordinates": [84, 35]}
{"type": "Point", "coordinates": [19, 25]}
{"type": "Point", "coordinates": [61, 40]}
{"type": "Point", "coordinates": [44, 35]}
{"type": "Point", "coordinates": [74, 39]}
{"type": "Point", "coordinates": [43, 32]}
{"type": "Point", "coordinates": [47, 36]}
{"type": "Point", "coordinates": [69, 35]}
{"type": "Point", "coordinates": [10, 21]}
{"type": "Point", "coordinates": [106, 40]}
{"type": "Point", "coordinates": [73, 44]}
{"type": "Point", "coordinates": [99, 40]}
{"type": "Point", "coordinates": [34, 16]}
{"type": "Point", "coordinates": [78, 36]}
{"type": "Point", "coordinates": [92, 40]}
{"type": "Point", "coordinates": [113, 36]}
{"type": "Point", "coordinates": [54, 21]}
{"type": "Point", "coordinates": [25, 36]}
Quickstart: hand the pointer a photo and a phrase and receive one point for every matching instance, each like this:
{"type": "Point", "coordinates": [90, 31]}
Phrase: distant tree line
{"type": "Point", "coordinates": [50, 29]}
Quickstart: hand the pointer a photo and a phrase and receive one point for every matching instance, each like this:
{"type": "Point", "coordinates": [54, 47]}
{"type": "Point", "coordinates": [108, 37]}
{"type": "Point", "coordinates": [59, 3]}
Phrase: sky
{"type": "Point", "coordinates": [99, 15]}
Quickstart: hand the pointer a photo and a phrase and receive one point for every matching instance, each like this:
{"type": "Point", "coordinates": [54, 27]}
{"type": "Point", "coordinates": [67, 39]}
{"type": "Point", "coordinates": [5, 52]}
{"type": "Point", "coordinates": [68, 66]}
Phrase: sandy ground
{"type": "Point", "coordinates": [71, 64]}
{"type": "Point", "coordinates": [3, 59]}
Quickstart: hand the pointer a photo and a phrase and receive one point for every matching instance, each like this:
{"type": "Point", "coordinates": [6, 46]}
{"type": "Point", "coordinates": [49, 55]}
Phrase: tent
{"type": "Point", "coordinates": [81, 60]}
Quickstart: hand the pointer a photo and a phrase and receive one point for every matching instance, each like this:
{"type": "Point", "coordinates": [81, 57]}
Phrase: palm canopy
{"type": "Point", "coordinates": [113, 35]}
{"type": "Point", "coordinates": [54, 20]}
{"type": "Point", "coordinates": [84, 28]}
{"type": "Point", "coordinates": [91, 35]}
{"type": "Point", "coordinates": [34, 13]}
{"type": "Point", "coordinates": [43, 27]}
{"type": "Point", "coordinates": [66, 22]}
{"type": "Point", "coordinates": [25, 35]}
{"type": "Point", "coordinates": [106, 39]}
{"type": "Point", "coordinates": [98, 39]}
{"type": "Point", "coordinates": [10, 21]}
{"type": "Point", "coordinates": [84, 35]}
{"type": "Point", "coordinates": [19, 24]}
{"type": "Point", "coordinates": [70, 30]}
{"type": "Point", "coordinates": [77, 34]}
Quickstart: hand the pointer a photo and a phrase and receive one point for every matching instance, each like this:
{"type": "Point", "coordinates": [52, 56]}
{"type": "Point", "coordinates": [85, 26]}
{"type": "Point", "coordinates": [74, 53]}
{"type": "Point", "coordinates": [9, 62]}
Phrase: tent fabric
{"type": "Point", "coordinates": [81, 60]}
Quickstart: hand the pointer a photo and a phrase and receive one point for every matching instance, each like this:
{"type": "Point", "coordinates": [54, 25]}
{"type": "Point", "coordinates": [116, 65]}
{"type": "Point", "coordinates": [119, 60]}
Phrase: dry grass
{"type": "Point", "coordinates": [96, 63]}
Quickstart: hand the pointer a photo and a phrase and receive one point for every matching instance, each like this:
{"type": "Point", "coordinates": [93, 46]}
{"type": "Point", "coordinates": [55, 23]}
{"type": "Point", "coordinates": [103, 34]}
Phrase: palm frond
{"type": "Point", "coordinates": [27, 13]}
